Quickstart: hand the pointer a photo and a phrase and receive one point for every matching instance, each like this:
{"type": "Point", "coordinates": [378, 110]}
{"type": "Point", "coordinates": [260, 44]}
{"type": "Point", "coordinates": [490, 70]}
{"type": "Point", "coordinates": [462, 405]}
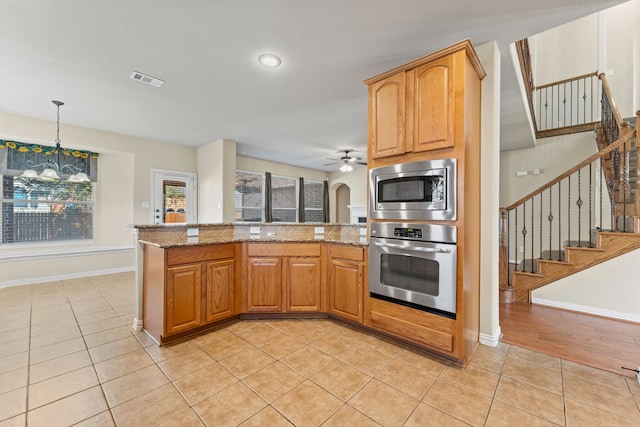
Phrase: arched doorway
{"type": "Point", "coordinates": [343, 199]}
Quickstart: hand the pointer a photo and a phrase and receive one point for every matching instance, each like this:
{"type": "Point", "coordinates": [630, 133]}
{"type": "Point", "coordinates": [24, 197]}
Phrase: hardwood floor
{"type": "Point", "coordinates": [590, 340]}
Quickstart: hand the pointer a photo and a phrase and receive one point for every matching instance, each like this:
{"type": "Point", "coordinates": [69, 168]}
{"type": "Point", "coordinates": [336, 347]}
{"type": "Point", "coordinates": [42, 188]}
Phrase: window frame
{"type": "Point", "coordinates": [38, 201]}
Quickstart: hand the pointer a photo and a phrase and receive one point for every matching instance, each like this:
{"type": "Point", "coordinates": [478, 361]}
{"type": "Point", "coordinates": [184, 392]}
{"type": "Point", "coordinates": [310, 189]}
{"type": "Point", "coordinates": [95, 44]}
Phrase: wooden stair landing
{"type": "Point", "coordinates": [608, 245]}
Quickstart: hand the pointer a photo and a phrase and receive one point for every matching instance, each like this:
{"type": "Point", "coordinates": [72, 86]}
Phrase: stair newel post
{"type": "Point", "coordinates": [532, 234]}
{"type": "Point", "coordinates": [550, 218]}
{"type": "Point", "coordinates": [540, 222]}
{"type": "Point", "coordinates": [579, 204]}
{"type": "Point", "coordinates": [590, 202]}
{"type": "Point", "coordinates": [504, 250]}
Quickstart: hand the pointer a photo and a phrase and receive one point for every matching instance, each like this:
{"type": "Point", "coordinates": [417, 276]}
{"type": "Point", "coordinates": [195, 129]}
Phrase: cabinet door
{"type": "Point", "coordinates": [264, 285]}
{"type": "Point", "coordinates": [345, 289]}
{"type": "Point", "coordinates": [219, 290]}
{"type": "Point", "coordinates": [433, 105]}
{"type": "Point", "coordinates": [303, 284]}
{"type": "Point", "coordinates": [387, 116]}
{"type": "Point", "coordinates": [184, 298]}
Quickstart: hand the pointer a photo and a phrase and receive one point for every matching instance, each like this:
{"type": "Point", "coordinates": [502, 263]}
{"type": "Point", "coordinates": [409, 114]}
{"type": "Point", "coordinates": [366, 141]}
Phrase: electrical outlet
{"type": "Point", "coordinates": [192, 232]}
{"type": "Point", "coordinates": [319, 230]}
{"type": "Point", "coordinates": [254, 230]}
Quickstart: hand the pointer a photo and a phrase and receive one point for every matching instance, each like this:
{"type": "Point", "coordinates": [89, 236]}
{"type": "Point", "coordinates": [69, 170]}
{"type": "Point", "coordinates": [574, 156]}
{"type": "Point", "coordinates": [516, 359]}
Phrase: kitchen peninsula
{"type": "Point", "coordinates": [197, 276]}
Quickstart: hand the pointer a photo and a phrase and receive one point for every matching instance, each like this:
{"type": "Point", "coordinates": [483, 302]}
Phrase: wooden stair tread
{"type": "Point", "coordinates": [610, 244]}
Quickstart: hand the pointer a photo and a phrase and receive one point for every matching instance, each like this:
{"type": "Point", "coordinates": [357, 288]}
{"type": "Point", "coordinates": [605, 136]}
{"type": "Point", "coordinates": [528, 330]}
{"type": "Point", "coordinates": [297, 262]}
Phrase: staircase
{"type": "Point", "coordinates": [608, 245]}
{"type": "Point", "coordinates": [587, 215]}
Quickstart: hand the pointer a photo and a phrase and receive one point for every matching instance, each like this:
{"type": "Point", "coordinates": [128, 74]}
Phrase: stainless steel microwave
{"type": "Point", "coordinates": [423, 190]}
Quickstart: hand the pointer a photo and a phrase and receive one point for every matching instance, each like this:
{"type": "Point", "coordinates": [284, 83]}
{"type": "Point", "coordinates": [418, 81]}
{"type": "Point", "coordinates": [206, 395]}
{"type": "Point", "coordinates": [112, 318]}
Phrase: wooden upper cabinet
{"type": "Point", "coordinates": [433, 105]}
{"type": "Point", "coordinates": [219, 290]}
{"type": "Point", "coordinates": [387, 116]}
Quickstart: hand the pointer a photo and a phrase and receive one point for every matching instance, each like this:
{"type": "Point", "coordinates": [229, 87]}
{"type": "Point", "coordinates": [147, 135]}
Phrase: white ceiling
{"type": "Point", "coordinates": [82, 52]}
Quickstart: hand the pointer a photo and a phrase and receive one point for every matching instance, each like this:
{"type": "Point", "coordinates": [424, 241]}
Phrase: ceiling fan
{"type": "Point", "coordinates": [346, 161]}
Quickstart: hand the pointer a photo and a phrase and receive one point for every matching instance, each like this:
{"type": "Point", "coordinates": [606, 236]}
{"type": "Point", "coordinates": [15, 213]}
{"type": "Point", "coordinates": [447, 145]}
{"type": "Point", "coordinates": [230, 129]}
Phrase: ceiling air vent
{"type": "Point", "coordinates": [146, 79]}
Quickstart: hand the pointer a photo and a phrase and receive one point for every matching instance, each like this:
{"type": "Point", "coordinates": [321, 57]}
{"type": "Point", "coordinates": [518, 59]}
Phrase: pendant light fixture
{"type": "Point", "coordinates": [52, 168]}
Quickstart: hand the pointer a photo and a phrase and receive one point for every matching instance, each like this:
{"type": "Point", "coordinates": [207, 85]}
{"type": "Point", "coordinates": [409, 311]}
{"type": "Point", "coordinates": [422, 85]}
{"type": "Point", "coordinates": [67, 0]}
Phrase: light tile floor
{"type": "Point", "coordinates": [68, 356]}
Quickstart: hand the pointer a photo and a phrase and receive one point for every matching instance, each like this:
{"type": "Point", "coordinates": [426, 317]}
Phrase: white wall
{"type": "Point", "coordinates": [623, 55]}
{"type": "Point", "coordinates": [608, 289]}
{"type": "Point", "coordinates": [552, 156]}
{"type": "Point", "coordinates": [489, 56]}
{"type": "Point", "coordinates": [123, 184]}
{"type": "Point", "coordinates": [216, 182]}
{"type": "Point", "coordinates": [567, 51]}
{"type": "Point", "coordinates": [356, 180]}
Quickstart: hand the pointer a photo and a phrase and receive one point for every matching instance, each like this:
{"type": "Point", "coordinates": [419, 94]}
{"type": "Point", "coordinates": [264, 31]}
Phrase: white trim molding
{"type": "Point", "coordinates": [587, 310]}
{"type": "Point", "coordinates": [69, 276]}
{"type": "Point", "coordinates": [491, 340]}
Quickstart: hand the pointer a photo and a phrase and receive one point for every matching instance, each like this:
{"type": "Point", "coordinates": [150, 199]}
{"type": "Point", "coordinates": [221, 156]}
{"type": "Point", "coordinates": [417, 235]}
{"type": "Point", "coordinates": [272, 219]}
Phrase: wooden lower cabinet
{"type": "Point", "coordinates": [264, 285]}
{"type": "Point", "coordinates": [283, 277]}
{"type": "Point", "coordinates": [303, 284]}
{"type": "Point", "coordinates": [185, 288]}
{"type": "Point", "coordinates": [346, 281]}
{"type": "Point", "coordinates": [220, 290]}
{"type": "Point", "coordinates": [183, 298]}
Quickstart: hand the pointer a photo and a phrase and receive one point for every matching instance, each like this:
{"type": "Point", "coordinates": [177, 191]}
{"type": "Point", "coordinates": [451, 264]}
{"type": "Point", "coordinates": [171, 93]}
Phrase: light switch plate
{"type": "Point", "coordinates": [254, 230]}
{"type": "Point", "coordinates": [192, 239]}
{"type": "Point", "coordinates": [319, 230]}
{"type": "Point", "coordinates": [363, 231]}
{"type": "Point", "coordinates": [193, 232]}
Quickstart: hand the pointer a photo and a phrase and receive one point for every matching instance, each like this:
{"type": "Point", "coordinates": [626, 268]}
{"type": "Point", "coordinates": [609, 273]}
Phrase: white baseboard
{"type": "Point", "coordinates": [588, 310]}
{"type": "Point", "coordinates": [491, 340]}
{"type": "Point", "coordinates": [77, 275]}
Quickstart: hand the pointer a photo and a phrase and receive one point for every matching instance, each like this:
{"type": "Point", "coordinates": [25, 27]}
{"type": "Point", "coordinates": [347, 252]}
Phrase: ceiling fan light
{"type": "Point", "coordinates": [346, 168]}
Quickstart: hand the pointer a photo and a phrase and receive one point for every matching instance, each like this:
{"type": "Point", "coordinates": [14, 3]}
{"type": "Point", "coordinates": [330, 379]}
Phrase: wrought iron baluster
{"type": "Point", "coordinates": [600, 189]}
{"type": "Point", "coordinates": [625, 172]}
{"type": "Point", "coordinates": [569, 213]}
{"type": "Point", "coordinates": [590, 202]}
{"type": "Point", "coordinates": [532, 234]}
{"type": "Point", "coordinates": [524, 236]}
{"type": "Point", "coordinates": [540, 220]}
{"type": "Point", "coordinates": [579, 204]}
{"type": "Point", "coordinates": [509, 247]}
{"type": "Point", "coordinates": [564, 107]}
{"type": "Point", "coordinates": [559, 219]}
{"type": "Point", "coordinates": [550, 218]}
{"type": "Point", "coordinates": [515, 228]}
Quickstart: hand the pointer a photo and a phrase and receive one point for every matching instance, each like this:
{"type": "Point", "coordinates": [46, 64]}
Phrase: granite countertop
{"type": "Point", "coordinates": [173, 242]}
{"type": "Point", "coordinates": [168, 236]}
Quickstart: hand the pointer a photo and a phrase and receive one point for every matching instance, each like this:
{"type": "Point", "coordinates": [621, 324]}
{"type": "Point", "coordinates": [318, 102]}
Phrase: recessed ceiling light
{"type": "Point", "coordinates": [269, 60]}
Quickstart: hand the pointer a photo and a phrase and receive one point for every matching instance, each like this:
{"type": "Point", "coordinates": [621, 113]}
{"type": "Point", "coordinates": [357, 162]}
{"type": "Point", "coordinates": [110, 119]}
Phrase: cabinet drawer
{"type": "Point", "coordinates": [189, 254]}
{"type": "Point", "coordinates": [415, 325]}
{"type": "Point", "coordinates": [283, 249]}
{"type": "Point", "coordinates": [351, 253]}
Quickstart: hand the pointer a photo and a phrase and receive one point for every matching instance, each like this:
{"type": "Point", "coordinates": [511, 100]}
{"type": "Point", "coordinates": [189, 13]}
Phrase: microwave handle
{"type": "Point", "coordinates": [419, 249]}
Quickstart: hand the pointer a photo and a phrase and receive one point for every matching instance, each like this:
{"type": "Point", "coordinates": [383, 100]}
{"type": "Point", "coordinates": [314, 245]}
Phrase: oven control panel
{"type": "Point", "coordinates": [415, 233]}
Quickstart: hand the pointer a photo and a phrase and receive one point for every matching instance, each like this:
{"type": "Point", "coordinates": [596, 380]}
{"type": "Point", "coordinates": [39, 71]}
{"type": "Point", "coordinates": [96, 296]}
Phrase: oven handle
{"type": "Point", "coordinates": [419, 249]}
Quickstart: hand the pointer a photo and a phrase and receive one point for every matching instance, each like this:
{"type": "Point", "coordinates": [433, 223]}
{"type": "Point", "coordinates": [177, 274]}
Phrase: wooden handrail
{"type": "Point", "coordinates": [594, 74]}
{"type": "Point", "coordinates": [607, 90]}
{"type": "Point", "coordinates": [623, 140]}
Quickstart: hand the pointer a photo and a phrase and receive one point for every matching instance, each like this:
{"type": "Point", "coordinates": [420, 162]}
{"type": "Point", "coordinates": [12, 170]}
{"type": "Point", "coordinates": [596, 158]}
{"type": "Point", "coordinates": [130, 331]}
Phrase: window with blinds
{"type": "Point", "coordinates": [284, 193]}
{"type": "Point", "coordinates": [249, 203]}
{"type": "Point", "coordinates": [313, 201]}
{"type": "Point", "coordinates": [43, 211]}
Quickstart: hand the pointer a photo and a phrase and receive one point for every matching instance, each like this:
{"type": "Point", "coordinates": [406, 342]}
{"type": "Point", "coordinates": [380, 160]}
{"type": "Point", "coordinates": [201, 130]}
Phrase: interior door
{"type": "Point", "coordinates": [173, 197]}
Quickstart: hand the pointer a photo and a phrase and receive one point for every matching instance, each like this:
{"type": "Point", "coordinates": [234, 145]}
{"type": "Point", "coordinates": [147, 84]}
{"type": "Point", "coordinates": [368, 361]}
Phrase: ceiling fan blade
{"type": "Point", "coordinates": [329, 164]}
{"type": "Point", "coordinates": [361, 163]}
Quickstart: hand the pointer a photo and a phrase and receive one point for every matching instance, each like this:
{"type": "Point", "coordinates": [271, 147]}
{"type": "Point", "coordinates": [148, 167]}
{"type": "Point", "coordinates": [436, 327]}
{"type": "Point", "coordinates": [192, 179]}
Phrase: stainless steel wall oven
{"type": "Point", "coordinates": [414, 264]}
